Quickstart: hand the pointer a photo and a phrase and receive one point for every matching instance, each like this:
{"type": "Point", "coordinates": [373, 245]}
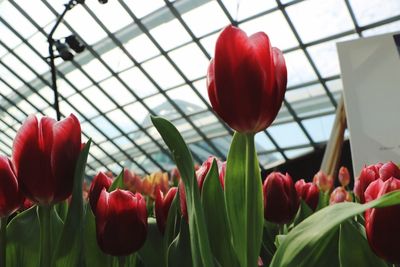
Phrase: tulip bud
{"type": "Point", "coordinates": [45, 154]}
{"type": "Point", "coordinates": [222, 171]}
{"type": "Point", "coordinates": [99, 182]}
{"type": "Point", "coordinates": [323, 181]}
{"type": "Point", "coordinates": [10, 195]}
{"type": "Point", "coordinates": [309, 192]}
{"type": "Point", "coordinates": [389, 170]}
{"type": "Point", "coordinates": [246, 80]}
{"type": "Point", "coordinates": [162, 205]}
{"type": "Point", "coordinates": [340, 195]}
{"type": "Point", "coordinates": [382, 225]}
{"type": "Point", "coordinates": [368, 175]}
{"type": "Point", "coordinates": [201, 175]}
{"type": "Point", "coordinates": [121, 222]}
{"type": "Point", "coordinates": [280, 198]}
{"type": "Point", "coordinates": [132, 181]}
{"type": "Point", "coordinates": [344, 176]}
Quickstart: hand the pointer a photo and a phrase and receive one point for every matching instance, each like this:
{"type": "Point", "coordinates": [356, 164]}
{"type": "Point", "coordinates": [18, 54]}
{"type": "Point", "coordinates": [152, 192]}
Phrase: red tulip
{"type": "Point", "coordinates": [389, 170]}
{"type": "Point", "coordinates": [368, 175]}
{"type": "Point", "coordinates": [10, 195]}
{"type": "Point", "coordinates": [280, 198]}
{"type": "Point", "coordinates": [201, 175]}
{"type": "Point", "coordinates": [99, 182]}
{"type": "Point", "coordinates": [162, 205]}
{"type": "Point", "coordinates": [323, 181]}
{"type": "Point", "coordinates": [45, 154]}
{"type": "Point", "coordinates": [121, 222]}
{"type": "Point", "coordinates": [222, 171]}
{"type": "Point", "coordinates": [246, 80]}
{"type": "Point", "coordinates": [340, 195]}
{"type": "Point", "coordinates": [344, 176]}
{"type": "Point", "coordinates": [382, 225]}
{"type": "Point", "coordinates": [309, 192]}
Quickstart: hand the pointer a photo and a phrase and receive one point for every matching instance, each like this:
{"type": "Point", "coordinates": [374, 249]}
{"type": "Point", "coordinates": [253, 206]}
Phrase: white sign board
{"type": "Point", "coordinates": [370, 70]}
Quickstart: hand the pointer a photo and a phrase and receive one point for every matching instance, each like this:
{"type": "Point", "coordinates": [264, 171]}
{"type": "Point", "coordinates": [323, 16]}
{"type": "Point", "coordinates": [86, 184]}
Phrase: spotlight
{"type": "Point", "coordinates": [63, 51]}
{"type": "Point", "coordinates": [75, 44]}
{"type": "Point", "coordinates": [103, 1]}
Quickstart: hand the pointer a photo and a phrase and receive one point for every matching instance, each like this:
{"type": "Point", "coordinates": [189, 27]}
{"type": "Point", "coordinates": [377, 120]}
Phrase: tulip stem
{"type": "Point", "coordinates": [3, 241]}
{"type": "Point", "coordinates": [121, 261]}
{"type": "Point", "coordinates": [45, 235]}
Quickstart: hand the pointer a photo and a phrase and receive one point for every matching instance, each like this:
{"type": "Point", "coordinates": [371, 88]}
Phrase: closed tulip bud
{"type": "Point", "coordinates": [323, 181]}
{"type": "Point", "coordinates": [344, 176]}
{"type": "Point", "coordinates": [201, 174]}
{"type": "Point", "coordinates": [121, 222]}
{"type": "Point", "coordinates": [340, 195]}
{"type": "Point", "coordinates": [280, 198]}
{"type": "Point", "coordinates": [368, 175]}
{"type": "Point", "coordinates": [246, 80]}
{"type": "Point", "coordinates": [162, 205]}
{"type": "Point", "coordinates": [389, 170]}
{"type": "Point", "coordinates": [99, 182]}
{"type": "Point", "coordinates": [382, 225]}
{"type": "Point", "coordinates": [308, 192]}
{"type": "Point", "coordinates": [45, 154]}
{"type": "Point", "coordinates": [10, 195]}
{"type": "Point", "coordinates": [222, 171]}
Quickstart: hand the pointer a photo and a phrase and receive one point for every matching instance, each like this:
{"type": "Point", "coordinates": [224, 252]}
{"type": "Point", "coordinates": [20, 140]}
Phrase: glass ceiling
{"type": "Point", "coordinates": [151, 57]}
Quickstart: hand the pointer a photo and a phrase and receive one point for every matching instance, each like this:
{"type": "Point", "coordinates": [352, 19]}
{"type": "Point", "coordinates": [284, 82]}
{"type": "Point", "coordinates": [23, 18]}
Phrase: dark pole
{"type": "Point", "coordinates": [51, 41]}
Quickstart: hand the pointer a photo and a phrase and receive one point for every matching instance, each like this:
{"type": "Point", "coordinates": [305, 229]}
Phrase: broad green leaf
{"type": "Point", "coordinates": [152, 252]}
{"type": "Point", "coordinates": [118, 182]}
{"type": "Point", "coordinates": [303, 212]}
{"type": "Point", "coordinates": [201, 252]}
{"type": "Point", "coordinates": [68, 249]}
{"type": "Point", "coordinates": [92, 252]}
{"type": "Point", "coordinates": [179, 252]}
{"type": "Point", "coordinates": [172, 226]}
{"type": "Point", "coordinates": [268, 248]}
{"type": "Point", "coordinates": [213, 201]}
{"type": "Point", "coordinates": [302, 244]}
{"type": "Point", "coordinates": [243, 197]}
{"type": "Point", "coordinates": [354, 249]}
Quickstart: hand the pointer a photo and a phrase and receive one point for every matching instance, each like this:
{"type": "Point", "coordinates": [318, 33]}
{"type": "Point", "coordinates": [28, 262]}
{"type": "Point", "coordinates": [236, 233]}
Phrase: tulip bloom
{"type": "Point", "coordinates": [344, 176]}
{"type": "Point", "coordinates": [162, 205]}
{"type": "Point", "coordinates": [45, 154]}
{"type": "Point", "coordinates": [280, 198]}
{"type": "Point", "coordinates": [308, 192]}
{"type": "Point", "coordinates": [201, 175]}
{"type": "Point", "coordinates": [382, 225]}
{"type": "Point", "coordinates": [389, 170]}
{"type": "Point", "coordinates": [246, 80]}
{"type": "Point", "coordinates": [340, 195]}
{"type": "Point", "coordinates": [121, 222]}
{"type": "Point", "coordinates": [10, 196]}
{"type": "Point", "coordinates": [323, 181]}
{"type": "Point", "coordinates": [368, 175]}
{"type": "Point", "coordinates": [99, 182]}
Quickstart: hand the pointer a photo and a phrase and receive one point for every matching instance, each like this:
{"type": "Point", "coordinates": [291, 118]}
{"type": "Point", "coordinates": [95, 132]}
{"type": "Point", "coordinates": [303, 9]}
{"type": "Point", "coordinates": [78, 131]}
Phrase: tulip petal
{"type": "Point", "coordinates": [64, 155]}
{"type": "Point", "coordinates": [99, 182]}
{"type": "Point", "coordinates": [31, 159]}
{"type": "Point", "coordinates": [10, 197]}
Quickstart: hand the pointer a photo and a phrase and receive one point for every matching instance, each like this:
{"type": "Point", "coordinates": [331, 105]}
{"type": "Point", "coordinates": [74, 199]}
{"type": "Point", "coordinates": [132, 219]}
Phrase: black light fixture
{"type": "Point", "coordinates": [103, 1]}
{"type": "Point", "coordinates": [75, 44]}
{"type": "Point", "coordinates": [63, 51]}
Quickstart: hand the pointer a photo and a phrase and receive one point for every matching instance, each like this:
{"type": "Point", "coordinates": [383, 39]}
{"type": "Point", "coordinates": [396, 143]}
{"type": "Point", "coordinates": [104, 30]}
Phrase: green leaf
{"type": "Point", "coordinates": [154, 245]}
{"type": "Point", "coordinates": [354, 249]}
{"type": "Point", "coordinates": [302, 244]}
{"type": "Point", "coordinates": [200, 245]}
{"type": "Point", "coordinates": [62, 209]}
{"type": "Point", "coordinates": [268, 247]}
{"type": "Point", "coordinates": [92, 252]}
{"type": "Point", "coordinates": [303, 212]}
{"type": "Point", "coordinates": [179, 252]}
{"type": "Point", "coordinates": [213, 201]}
{"type": "Point", "coordinates": [172, 226]}
{"type": "Point", "coordinates": [68, 250]}
{"type": "Point", "coordinates": [118, 182]}
{"type": "Point", "coordinates": [243, 196]}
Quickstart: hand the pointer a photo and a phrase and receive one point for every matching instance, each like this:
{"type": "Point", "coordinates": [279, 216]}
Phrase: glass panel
{"type": "Point", "coordinates": [99, 99]}
{"type": "Point", "coordinates": [106, 127]}
{"type": "Point", "coordinates": [186, 99]}
{"type": "Point", "coordinates": [271, 160]}
{"type": "Point", "coordinates": [240, 10]}
{"type": "Point", "coordinates": [19, 68]}
{"type": "Point", "coordinates": [295, 153]}
{"type": "Point", "coordinates": [163, 72]}
{"type": "Point", "coordinates": [320, 128]}
{"type": "Point", "coordinates": [162, 34]}
{"type": "Point", "coordinates": [209, 43]}
{"type": "Point", "coordinates": [191, 61]}
{"type": "Point", "coordinates": [206, 18]}
{"type": "Point", "coordinates": [141, 48]}
{"type": "Point", "coordinates": [371, 11]}
{"type": "Point", "coordinates": [139, 113]}
{"type": "Point", "coordinates": [37, 11]}
{"type": "Point", "coordinates": [117, 91]}
{"type": "Point", "coordinates": [161, 106]}
{"type": "Point", "coordinates": [122, 121]}
{"type": "Point", "coordinates": [142, 8]}
{"type": "Point", "coordinates": [315, 19]}
{"type": "Point", "coordinates": [78, 79]}
{"type": "Point", "coordinates": [117, 60]}
{"type": "Point", "coordinates": [7, 36]}
{"type": "Point", "coordinates": [263, 143]}
{"type": "Point", "coordinates": [84, 106]}
{"type": "Point", "coordinates": [96, 70]}
{"type": "Point", "coordinates": [298, 68]}
{"type": "Point", "coordinates": [17, 21]}
{"type": "Point", "coordinates": [108, 14]}
{"type": "Point", "coordinates": [390, 27]}
{"type": "Point", "coordinates": [275, 26]}
{"type": "Point", "coordinates": [138, 82]}
{"type": "Point", "coordinates": [287, 135]}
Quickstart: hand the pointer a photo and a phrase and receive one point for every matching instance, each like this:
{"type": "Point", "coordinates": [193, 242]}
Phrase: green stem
{"type": "Point", "coordinates": [3, 241]}
{"type": "Point", "coordinates": [45, 235]}
{"type": "Point", "coordinates": [121, 261]}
